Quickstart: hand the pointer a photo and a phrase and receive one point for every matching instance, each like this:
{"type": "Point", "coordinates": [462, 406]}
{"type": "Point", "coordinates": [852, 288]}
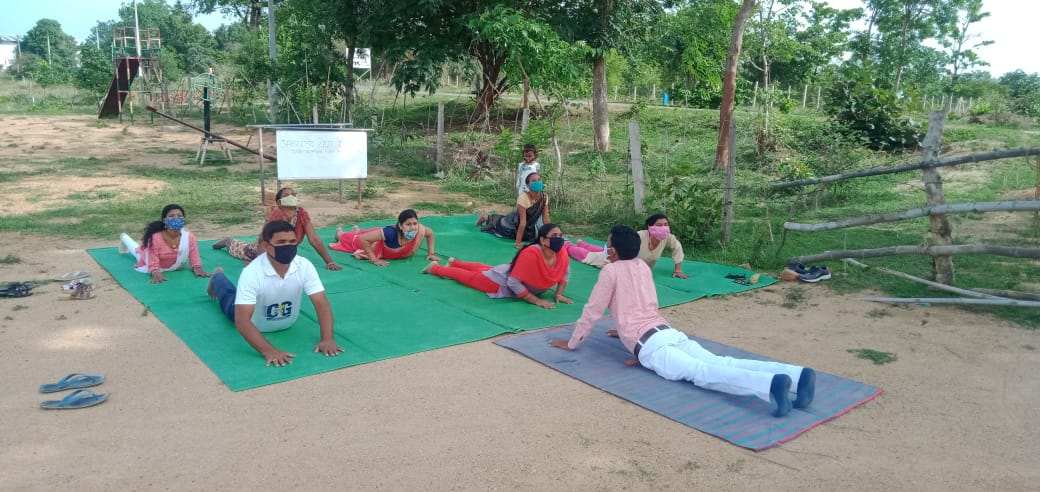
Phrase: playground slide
{"type": "Point", "coordinates": [126, 71]}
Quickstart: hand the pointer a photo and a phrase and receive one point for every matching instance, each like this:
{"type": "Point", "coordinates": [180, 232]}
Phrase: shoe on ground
{"type": "Point", "coordinates": [798, 268]}
{"type": "Point", "coordinates": [816, 274]}
{"type": "Point", "coordinates": [778, 390]}
{"type": "Point", "coordinates": [806, 388]}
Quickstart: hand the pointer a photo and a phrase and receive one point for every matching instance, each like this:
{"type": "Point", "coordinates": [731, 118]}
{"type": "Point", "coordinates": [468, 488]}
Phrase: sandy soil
{"type": "Point", "coordinates": [959, 412]}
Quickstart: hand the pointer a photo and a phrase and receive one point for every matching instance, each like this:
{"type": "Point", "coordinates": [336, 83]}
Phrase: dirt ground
{"type": "Point", "coordinates": [961, 408]}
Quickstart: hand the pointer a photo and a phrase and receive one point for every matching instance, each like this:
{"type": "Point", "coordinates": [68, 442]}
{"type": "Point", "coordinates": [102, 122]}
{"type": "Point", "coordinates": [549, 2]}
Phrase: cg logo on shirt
{"type": "Point", "coordinates": [283, 310]}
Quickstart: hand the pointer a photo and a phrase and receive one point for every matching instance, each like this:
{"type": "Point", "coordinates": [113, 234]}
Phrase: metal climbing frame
{"type": "Point", "coordinates": [138, 75]}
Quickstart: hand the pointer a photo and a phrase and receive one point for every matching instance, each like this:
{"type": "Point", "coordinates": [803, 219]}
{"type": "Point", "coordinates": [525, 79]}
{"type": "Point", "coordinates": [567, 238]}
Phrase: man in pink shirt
{"type": "Point", "coordinates": [626, 287]}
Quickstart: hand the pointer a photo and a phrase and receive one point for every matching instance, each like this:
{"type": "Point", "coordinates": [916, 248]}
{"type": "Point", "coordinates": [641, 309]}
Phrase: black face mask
{"type": "Point", "coordinates": [285, 253]}
{"type": "Point", "coordinates": [556, 244]}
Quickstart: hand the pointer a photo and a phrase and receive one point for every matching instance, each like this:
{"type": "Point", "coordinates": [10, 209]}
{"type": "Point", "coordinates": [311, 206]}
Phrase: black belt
{"type": "Point", "coordinates": [646, 336]}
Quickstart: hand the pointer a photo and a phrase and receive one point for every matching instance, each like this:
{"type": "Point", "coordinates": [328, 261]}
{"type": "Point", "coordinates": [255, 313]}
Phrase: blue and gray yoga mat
{"type": "Point", "coordinates": [742, 420]}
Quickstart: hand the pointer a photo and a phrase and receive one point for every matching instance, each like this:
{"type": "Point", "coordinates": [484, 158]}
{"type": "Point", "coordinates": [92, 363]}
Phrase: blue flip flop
{"type": "Point", "coordinates": [77, 399]}
{"type": "Point", "coordinates": [72, 381]}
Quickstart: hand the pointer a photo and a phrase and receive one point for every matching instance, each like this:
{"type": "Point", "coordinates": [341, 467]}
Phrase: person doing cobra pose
{"type": "Point", "coordinates": [535, 269]}
{"type": "Point", "coordinates": [393, 242]}
{"type": "Point", "coordinates": [166, 246]}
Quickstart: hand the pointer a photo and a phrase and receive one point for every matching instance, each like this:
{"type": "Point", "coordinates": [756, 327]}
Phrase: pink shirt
{"type": "Point", "coordinates": [158, 249]}
{"type": "Point", "coordinates": [626, 287]}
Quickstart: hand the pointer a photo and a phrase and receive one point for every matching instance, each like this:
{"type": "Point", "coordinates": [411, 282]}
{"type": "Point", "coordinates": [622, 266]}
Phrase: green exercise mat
{"type": "Point", "coordinates": [380, 312]}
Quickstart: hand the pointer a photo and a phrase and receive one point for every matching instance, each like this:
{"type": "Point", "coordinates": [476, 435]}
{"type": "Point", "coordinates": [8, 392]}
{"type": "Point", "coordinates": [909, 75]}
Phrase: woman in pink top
{"type": "Point", "coordinates": [166, 246]}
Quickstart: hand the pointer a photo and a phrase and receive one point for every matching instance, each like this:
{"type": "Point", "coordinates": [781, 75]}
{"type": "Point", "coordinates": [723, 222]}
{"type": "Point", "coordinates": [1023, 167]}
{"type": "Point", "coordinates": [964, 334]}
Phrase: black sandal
{"type": "Point", "coordinates": [16, 289]}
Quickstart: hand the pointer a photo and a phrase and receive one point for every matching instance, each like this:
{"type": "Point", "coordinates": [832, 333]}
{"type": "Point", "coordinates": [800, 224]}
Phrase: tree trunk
{"type": "Point", "coordinates": [729, 84]}
{"type": "Point", "coordinates": [348, 98]}
{"type": "Point", "coordinates": [600, 110]}
{"type": "Point", "coordinates": [491, 86]}
{"type": "Point", "coordinates": [941, 231]}
{"type": "Point", "coordinates": [255, 8]}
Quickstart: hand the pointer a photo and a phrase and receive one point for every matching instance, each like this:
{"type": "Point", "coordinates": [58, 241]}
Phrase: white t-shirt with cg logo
{"type": "Point", "coordinates": [276, 299]}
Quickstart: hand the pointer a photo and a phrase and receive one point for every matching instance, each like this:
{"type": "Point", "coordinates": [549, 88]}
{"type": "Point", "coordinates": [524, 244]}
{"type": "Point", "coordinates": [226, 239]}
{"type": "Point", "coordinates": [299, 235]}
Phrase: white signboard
{"type": "Point", "coordinates": [306, 154]}
{"type": "Point", "coordinates": [362, 58]}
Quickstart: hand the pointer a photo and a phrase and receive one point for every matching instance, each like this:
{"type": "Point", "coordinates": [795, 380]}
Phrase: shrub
{"type": "Point", "coordinates": [874, 112]}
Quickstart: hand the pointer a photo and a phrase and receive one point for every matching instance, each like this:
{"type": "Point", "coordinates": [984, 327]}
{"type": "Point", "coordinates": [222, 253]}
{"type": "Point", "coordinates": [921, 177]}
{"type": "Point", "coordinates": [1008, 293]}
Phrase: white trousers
{"type": "Point", "coordinates": [673, 356]}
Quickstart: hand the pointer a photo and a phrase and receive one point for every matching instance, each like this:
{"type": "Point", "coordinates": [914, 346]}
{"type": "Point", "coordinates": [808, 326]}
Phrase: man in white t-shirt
{"type": "Point", "coordinates": [269, 293]}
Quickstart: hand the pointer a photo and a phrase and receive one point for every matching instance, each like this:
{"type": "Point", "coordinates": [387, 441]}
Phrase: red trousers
{"type": "Point", "coordinates": [468, 273]}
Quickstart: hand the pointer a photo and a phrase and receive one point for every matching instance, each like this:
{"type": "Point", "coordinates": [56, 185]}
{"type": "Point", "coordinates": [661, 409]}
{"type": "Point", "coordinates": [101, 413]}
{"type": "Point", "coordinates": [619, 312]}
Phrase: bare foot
{"type": "Point", "coordinates": [482, 220]}
{"type": "Point", "coordinates": [339, 232]}
{"type": "Point", "coordinates": [451, 260]}
{"type": "Point", "coordinates": [429, 268]}
{"type": "Point", "coordinates": [355, 228]}
{"type": "Point", "coordinates": [209, 287]}
{"type": "Point", "coordinates": [222, 243]}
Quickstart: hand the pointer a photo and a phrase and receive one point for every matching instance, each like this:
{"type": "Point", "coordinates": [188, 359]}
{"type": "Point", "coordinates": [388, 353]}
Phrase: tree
{"type": "Point", "coordinates": [1023, 91]}
{"type": "Point", "coordinates": [692, 45]}
{"type": "Point", "coordinates": [799, 40]}
{"type": "Point", "coordinates": [249, 11]}
{"type": "Point", "coordinates": [55, 49]}
{"type": "Point", "coordinates": [603, 25]}
{"type": "Point", "coordinates": [729, 84]}
{"type": "Point", "coordinates": [95, 71]}
{"type": "Point", "coordinates": [961, 43]}
{"type": "Point", "coordinates": [903, 27]}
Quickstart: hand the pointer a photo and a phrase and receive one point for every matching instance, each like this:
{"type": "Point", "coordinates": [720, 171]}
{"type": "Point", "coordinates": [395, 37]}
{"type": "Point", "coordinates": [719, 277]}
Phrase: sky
{"type": "Point", "coordinates": [1012, 25]}
{"type": "Point", "coordinates": [77, 17]}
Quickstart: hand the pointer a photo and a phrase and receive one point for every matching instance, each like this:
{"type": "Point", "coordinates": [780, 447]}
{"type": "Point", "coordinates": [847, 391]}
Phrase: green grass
{"type": "Point", "coordinates": [875, 356]}
{"type": "Point", "coordinates": [10, 260]}
{"type": "Point", "coordinates": [450, 208]}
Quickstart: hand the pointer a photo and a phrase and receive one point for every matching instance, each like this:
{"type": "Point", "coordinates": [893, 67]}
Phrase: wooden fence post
{"type": "Point", "coordinates": [635, 151]}
{"type": "Point", "coordinates": [941, 231]}
{"type": "Point", "coordinates": [440, 140]}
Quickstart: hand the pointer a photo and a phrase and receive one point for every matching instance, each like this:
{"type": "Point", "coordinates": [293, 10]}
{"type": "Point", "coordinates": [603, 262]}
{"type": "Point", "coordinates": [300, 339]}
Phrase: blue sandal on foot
{"type": "Point", "coordinates": [77, 399]}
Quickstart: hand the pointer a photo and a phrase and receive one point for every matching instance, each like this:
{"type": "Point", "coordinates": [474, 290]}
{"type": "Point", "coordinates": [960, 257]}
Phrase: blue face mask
{"type": "Point", "coordinates": [536, 186]}
{"type": "Point", "coordinates": [556, 244]}
{"type": "Point", "coordinates": [285, 253]}
{"type": "Point", "coordinates": [174, 223]}
{"type": "Point", "coordinates": [409, 235]}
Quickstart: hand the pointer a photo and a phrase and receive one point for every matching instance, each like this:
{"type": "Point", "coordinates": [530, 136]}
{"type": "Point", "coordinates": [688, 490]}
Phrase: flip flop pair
{"type": "Point", "coordinates": [81, 398]}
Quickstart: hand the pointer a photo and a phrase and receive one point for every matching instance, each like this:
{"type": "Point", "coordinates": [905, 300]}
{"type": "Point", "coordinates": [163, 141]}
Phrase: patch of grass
{"type": "Point", "coordinates": [10, 259]}
{"type": "Point", "coordinates": [450, 208]}
{"type": "Point", "coordinates": [878, 313]}
{"type": "Point", "coordinates": [875, 356]}
{"type": "Point", "coordinates": [794, 296]}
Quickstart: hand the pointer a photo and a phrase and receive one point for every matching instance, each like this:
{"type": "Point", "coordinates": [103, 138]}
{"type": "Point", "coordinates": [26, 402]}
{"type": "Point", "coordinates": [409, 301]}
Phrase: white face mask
{"type": "Point", "coordinates": [289, 201]}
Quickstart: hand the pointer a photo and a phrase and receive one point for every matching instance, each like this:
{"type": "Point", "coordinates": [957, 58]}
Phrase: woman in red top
{"type": "Point", "coordinates": [289, 210]}
{"type": "Point", "coordinates": [536, 268]}
{"type": "Point", "coordinates": [166, 246]}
